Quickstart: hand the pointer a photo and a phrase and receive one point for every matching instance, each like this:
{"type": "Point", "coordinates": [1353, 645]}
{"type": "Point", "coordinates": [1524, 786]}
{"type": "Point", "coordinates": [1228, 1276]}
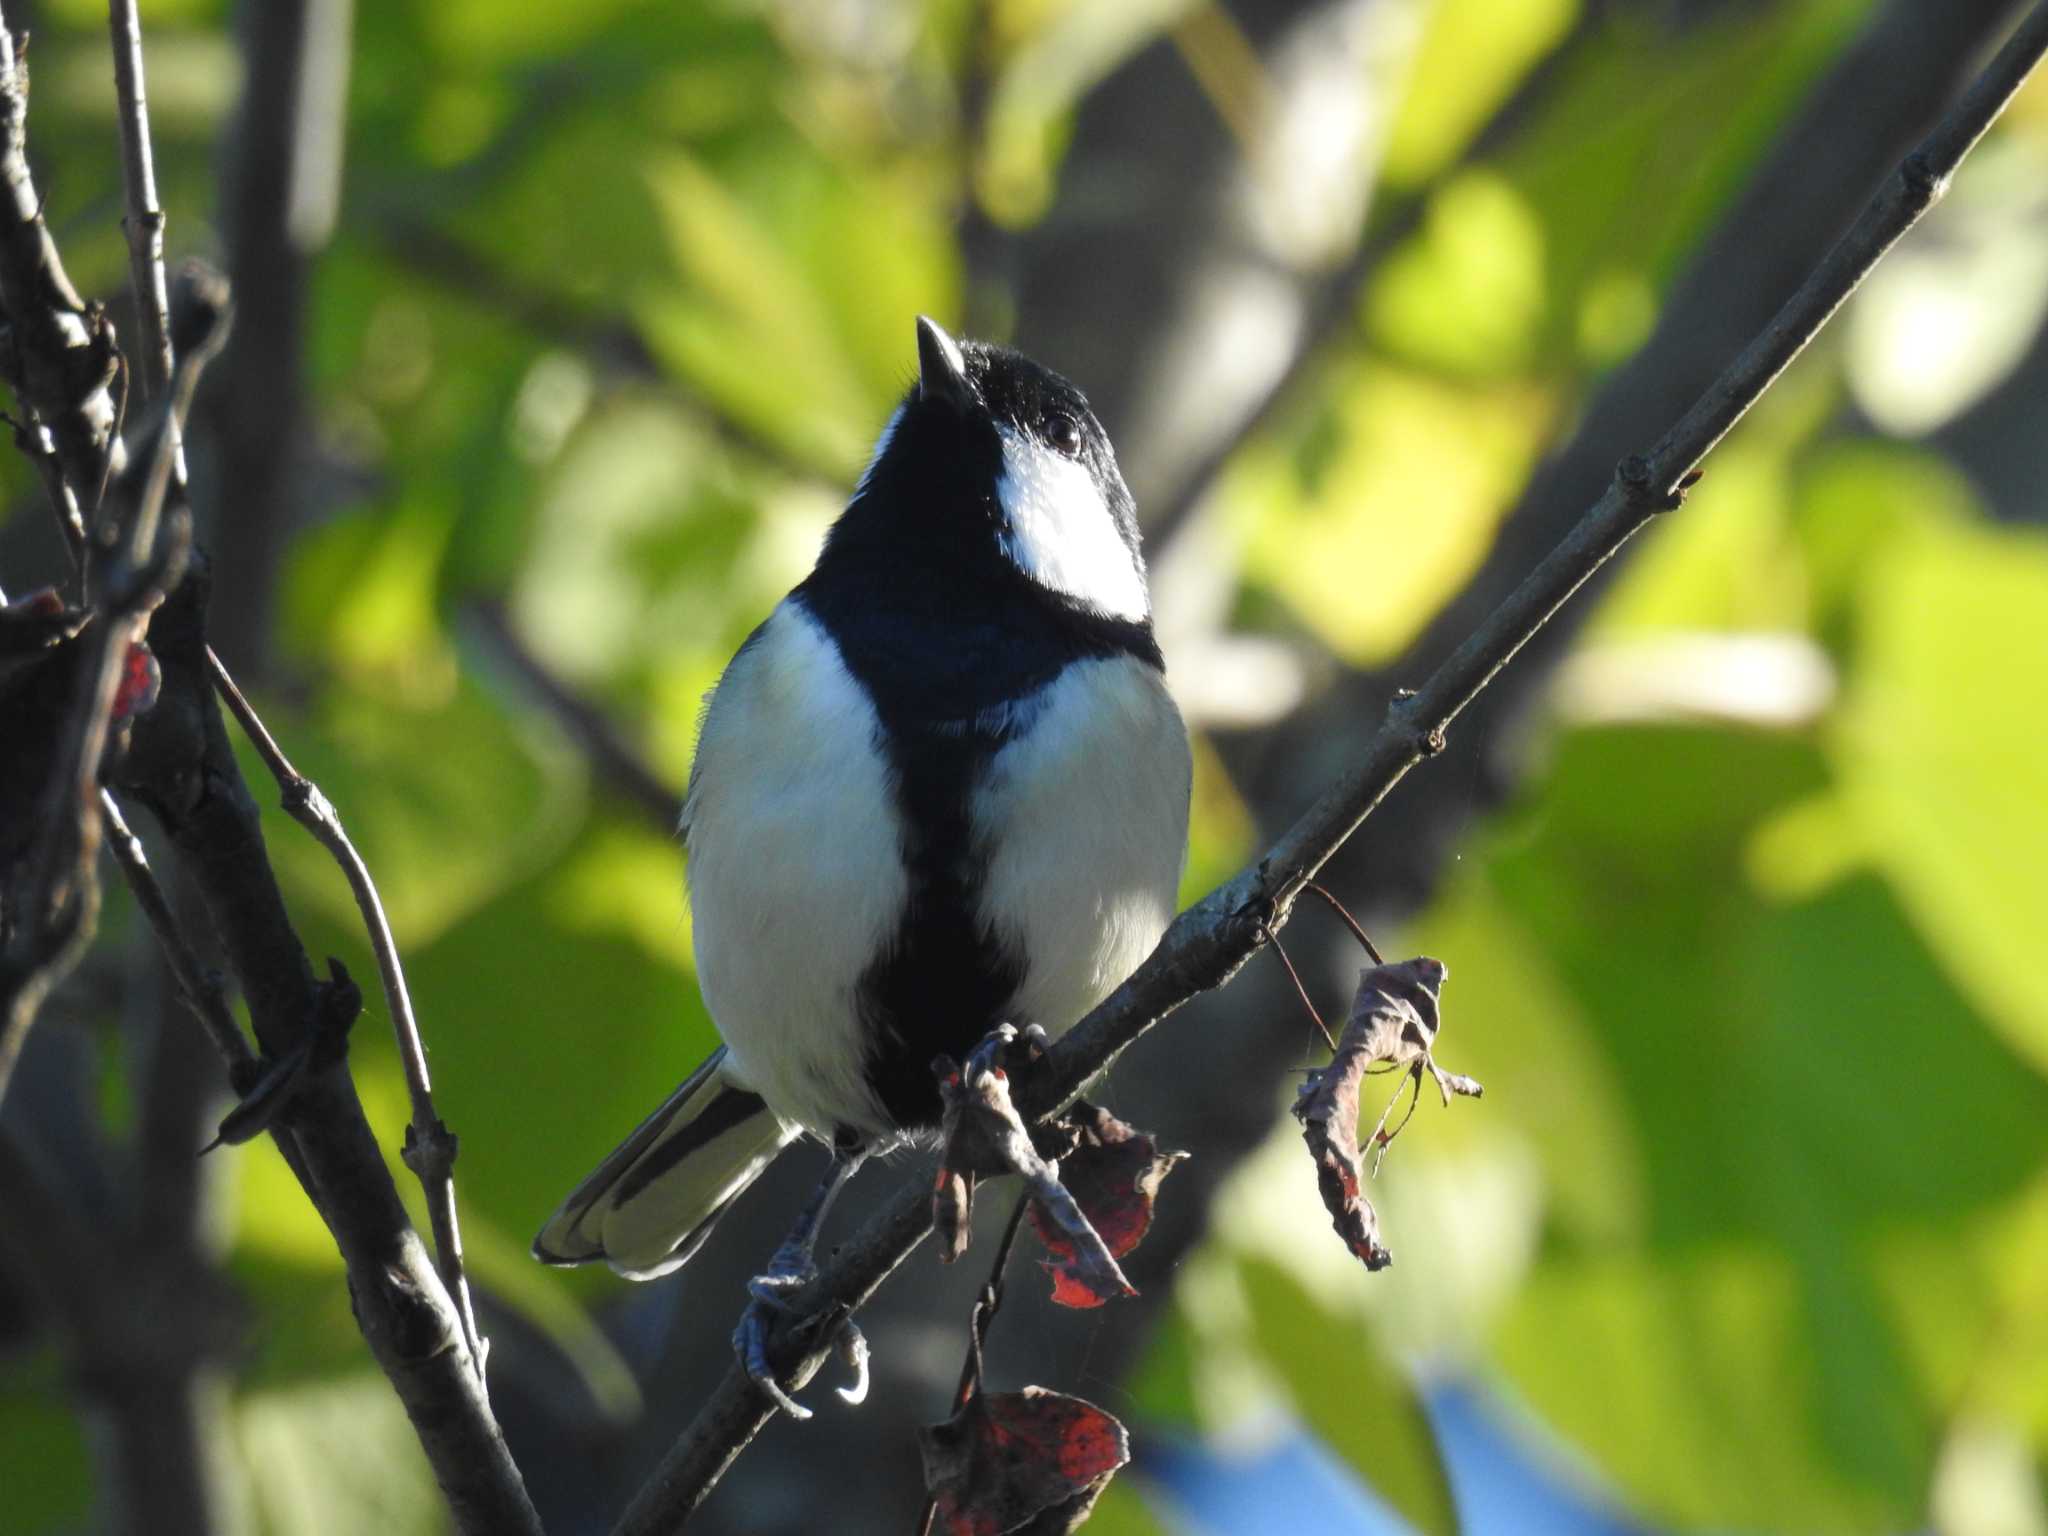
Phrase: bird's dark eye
{"type": "Point", "coordinates": [1063, 433]}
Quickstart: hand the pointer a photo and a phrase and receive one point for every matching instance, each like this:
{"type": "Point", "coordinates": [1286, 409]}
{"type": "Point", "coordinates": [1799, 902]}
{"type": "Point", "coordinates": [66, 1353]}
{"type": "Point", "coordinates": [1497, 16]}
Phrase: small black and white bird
{"type": "Point", "coordinates": [942, 787]}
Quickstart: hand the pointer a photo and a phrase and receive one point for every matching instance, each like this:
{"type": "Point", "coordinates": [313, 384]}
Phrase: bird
{"type": "Point", "coordinates": [941, 787]}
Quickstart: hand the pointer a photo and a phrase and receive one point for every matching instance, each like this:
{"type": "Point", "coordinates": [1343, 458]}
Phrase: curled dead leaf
{"type": "Point", "coordinates": [1395, 1017]}
{"type": "Point", "coordinates": [1029, 1463]}
{"type": "Point", "coordinates": [1113, 1173]}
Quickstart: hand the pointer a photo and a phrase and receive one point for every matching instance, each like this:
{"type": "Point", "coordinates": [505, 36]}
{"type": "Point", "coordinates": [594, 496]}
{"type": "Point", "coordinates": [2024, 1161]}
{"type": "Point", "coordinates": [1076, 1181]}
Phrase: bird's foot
{"type": "Point", "coordinates": [773, 1294]}
{"type": "Point", "coordinates": [785, 1275]}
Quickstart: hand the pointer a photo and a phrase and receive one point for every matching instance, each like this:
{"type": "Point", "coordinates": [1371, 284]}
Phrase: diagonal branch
{"type": "Point", "coordinates": [182, 768]}
{"type": "Point", "coordinates": [1208, 943]}
{"type": "Point", "coordinates": [429, 1145]}
{"type": "Point", "coordinates": [144, 220]}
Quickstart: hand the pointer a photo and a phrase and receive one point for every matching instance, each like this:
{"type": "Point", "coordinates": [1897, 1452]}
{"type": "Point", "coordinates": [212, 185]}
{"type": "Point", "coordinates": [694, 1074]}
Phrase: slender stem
{"type": "Point", "coordinates": [979, 1321]}
{"type": "Point", "coordinates": [144, 221]}
{"type": "Point", "coordinates": [1349, 921]}
{"type": "Point", "coordinates": [1212, 940]}
{"type": "Point", "coordinates": [61, 906]}
{"type": "Point", "coordinates": [200, 991]}
{"type": "Point", "coordinates": [63, 362]}
{"type": "Point", "coordinates": [1301, 991]}
{"type": "Point", "coordinates": [430, 1147]}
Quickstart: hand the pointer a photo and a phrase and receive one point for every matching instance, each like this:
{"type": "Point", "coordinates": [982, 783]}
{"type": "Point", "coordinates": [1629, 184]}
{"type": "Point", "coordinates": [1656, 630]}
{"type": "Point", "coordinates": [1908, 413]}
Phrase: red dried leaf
{"type": "Point", "coordinates": [1113, 1173]}
{"type": "Point", "coordinates": [37, 621]}
{"type": "Point", "coordinates": [1394, 1019]}
{"type": "Point", "coordinates": [1029, 1463]}
{"type": "Point", "coordinates": [141, 681]}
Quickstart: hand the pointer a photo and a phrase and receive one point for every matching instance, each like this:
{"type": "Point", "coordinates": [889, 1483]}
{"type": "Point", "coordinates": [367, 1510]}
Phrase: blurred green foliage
{"type": "Point", "coordinates": [1755, 1215]}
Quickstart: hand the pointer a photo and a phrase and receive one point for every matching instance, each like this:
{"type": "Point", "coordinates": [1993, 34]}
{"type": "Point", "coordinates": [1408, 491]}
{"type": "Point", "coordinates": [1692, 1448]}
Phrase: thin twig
{"type": "Point", "coordinates": [430, 1147]}
{"type": "Point", "coordinates": [1382, 1138]}
{"type": "Point", "coordinates": [144, 220]}
{"type": "Point", "coordinates": [62, 360]}
{"type": "Point", "coordinates": [1209, 942]}
{"type": "Point", "coordinates": [406, 1315]}
{"type": "Point", "coordinates": [198, 988]}
{"type": "Point", "coordinates": [131, 574]}
{"type": "Point", "coordinates": [1350, 922]}
{"type": "Point", "coordinates": [1301, 991]}
{"type": "Point", "coordinates": [986, 1306]}
{"type": "Point", "coordinates": [401, 1305]}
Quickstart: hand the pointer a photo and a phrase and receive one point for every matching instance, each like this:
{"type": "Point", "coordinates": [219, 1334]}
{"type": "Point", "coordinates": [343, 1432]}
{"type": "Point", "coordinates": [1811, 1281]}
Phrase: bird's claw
{"type": "Point", "coordinates": [775, 1285]}
{"type": "Point", "coordinates": [852, 1345]}
{"type": "Point", "coordinates": [771, 1293]}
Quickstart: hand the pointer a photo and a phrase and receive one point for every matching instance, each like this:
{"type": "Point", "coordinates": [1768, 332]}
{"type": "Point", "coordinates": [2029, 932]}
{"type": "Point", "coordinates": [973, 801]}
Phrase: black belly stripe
{"type": "Point", "coordinates": [945, 979]}
{"type": "Point", "coordinates": [950, 647]}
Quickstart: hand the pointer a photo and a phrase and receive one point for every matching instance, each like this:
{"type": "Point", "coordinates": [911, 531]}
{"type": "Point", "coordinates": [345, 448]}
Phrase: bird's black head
{"type": "Point", "coordinates": [992, 461]}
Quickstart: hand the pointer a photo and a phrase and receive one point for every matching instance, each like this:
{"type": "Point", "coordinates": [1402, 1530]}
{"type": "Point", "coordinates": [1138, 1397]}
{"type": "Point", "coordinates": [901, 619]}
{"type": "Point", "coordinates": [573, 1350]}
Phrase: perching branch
{"type": "Point", "coordinates": [1209, 942]}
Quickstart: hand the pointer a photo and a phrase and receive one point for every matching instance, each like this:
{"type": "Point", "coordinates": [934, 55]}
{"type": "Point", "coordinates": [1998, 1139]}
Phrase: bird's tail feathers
{"type": "Point", "coordinates": [653, 1201]}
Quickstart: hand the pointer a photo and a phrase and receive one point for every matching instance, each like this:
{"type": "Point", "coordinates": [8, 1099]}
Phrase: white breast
{"type": "Point", "coordinates": [1086, 819]}
{"type": "Point", "coordinates": [796, 870]}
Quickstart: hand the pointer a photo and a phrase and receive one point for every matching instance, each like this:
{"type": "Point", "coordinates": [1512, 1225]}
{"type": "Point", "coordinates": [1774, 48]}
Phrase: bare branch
{"type": "Point", "coordinates": [144, 222]}
{"type": "Point", "coordinates": [131, 569]}
{"type": "Point", "coordinates": [1212, 940]}
{"type": "Point", "coordinates": [430, 1146]}
{"type": "Point", "coordinates": [59, 356]}
{"type": "Point", "coordinates": [200, 991]}
{"type": "Point", "coordinates": [181, 766]}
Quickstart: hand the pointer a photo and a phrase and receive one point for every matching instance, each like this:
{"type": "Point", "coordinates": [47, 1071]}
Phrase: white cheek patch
{"type": "Point", "coordinates": [1061, 533]}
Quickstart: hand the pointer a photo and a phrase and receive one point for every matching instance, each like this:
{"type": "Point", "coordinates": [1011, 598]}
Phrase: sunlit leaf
{"type": "Point", "coordinates": [1941, 762]}
{"type": "Point", "coordinates": [336, 1458]}
{"type": "Point", "coordinates": [1349, 495]}
{"type": "Point", "coordinates": [54, 1487]}
{"type": "Point", "coordinates": [1355, 1399]}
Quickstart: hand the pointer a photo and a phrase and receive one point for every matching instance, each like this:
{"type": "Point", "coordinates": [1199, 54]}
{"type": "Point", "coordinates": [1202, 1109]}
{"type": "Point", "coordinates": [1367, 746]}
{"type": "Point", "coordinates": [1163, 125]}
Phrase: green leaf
{"type": "Point", "coordinates": [571, 1014]}
{"type": "Point", "coordinates": [1941, 761]}
{"type": "Point", "coordinates": [1771, 1055]}
{"type": "Point", "coordinates": [1337, 494]}
{"type": "Point", "coordinates": [1362, 1406]}
{"type": "Point", "coordinates": [447, 798]}
{"type": "Point", "coordinates": [53, 1486]}
{"type": "Point", "coordinates": [335, 1459]}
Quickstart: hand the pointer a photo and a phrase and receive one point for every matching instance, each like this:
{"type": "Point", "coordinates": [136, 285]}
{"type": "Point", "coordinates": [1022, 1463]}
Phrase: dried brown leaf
{"type": "Point", "coordinates": [1113, 1173]}
{"type": "Point", "coordinates": [1394, 1021]}
{"type": "Point", "coordinates": [1030, 1462]}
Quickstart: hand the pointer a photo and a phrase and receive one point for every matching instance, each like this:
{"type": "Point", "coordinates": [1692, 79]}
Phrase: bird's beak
{"type": "Point", "coordinates": [941, 371]}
